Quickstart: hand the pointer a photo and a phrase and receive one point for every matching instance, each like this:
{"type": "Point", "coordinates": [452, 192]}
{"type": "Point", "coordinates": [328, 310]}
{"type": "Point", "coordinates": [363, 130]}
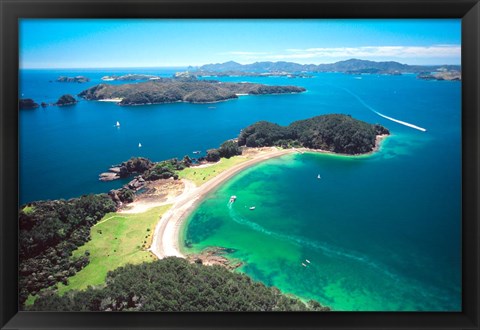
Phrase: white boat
{"type": "Point", "coordinates": [117, 124]}
{"type": "Point", "coordinates": [233, 198]}
{"type": "Point", "coordinates": [307, 260]}
{"type": "Point", "coordinates": [319, 177]}
{"type": "Point", "coordinates": [139, 145]}
{"type": "Point", "coordinates": [252, 208]}
{"type": "Point", "coordinates": [304, 265]}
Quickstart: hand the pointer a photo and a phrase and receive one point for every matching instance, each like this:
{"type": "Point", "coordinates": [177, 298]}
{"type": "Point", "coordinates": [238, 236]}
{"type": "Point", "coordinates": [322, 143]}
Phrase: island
{"type": "Point", "coordinates": [169, 90]}
{"type": "Point", "coordinates": [77, 79]}
{"type": "Point", "coordinates": [350, 66]}
{"type": "Point", "coordinates": [27, 104]}
{"type": "Point", "coordinates": [204, 73]}
{"type": "Point", "coordinates": [65, 100]}
{"type": "Point", "coordinates": [453, 75]}
{"type": "Point", "coordinates": [130, 77]}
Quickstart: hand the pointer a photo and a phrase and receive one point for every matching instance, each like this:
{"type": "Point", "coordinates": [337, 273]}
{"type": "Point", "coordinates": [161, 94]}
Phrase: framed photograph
{"type": "Point", "coordinates": [244, 165]}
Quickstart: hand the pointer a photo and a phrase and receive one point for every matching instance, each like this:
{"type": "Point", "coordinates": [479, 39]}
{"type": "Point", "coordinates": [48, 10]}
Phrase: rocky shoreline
{"type": "Point", "coordinates": [215, 256]}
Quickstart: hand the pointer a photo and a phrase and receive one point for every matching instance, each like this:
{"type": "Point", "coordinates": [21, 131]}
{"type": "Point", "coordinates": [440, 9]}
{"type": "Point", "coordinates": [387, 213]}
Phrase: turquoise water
{"type": "Point", "coordinates": [381, 232]}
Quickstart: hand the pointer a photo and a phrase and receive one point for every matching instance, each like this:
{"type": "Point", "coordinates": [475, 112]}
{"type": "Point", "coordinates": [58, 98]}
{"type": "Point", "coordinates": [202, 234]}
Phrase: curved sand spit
{"type": "Point", "coordinates": [166, 236]}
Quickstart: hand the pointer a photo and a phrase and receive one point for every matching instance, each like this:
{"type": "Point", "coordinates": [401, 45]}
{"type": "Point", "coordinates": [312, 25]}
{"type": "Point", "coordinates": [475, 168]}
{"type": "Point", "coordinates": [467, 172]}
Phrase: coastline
{"type": "Point", "coordinates": [166, 236]}
{"type": "Point", "coordinates": [168, 231]}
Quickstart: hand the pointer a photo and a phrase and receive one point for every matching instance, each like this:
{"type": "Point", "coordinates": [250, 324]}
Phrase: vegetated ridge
{"type": "Point", "coordinates": [169, 90]}
{"type": "Point", "coordinates": [333, 132]}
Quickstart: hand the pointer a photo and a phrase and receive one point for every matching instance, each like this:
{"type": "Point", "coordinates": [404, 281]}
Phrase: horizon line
{"type": "Point", "coordinates": [197, 66]}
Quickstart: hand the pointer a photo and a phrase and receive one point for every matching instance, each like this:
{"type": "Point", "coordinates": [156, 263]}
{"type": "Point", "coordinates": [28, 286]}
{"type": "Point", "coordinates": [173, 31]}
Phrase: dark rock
{"type": "Point", "coordinates": [27, 104]}
{"type": "Point", "coordinates": [65, 100]}
{"type": "Point", "coordinates": [77, 79]}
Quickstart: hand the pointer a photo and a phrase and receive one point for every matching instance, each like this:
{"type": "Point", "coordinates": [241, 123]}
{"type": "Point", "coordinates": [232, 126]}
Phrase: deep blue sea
{"type": "Point", "coordinates": [382, 232]}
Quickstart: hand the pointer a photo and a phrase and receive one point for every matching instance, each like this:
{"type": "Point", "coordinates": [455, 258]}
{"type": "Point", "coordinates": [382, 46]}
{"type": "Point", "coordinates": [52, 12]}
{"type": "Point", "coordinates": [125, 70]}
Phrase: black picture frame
{"type": "Point", "coordinates": [12, 10]}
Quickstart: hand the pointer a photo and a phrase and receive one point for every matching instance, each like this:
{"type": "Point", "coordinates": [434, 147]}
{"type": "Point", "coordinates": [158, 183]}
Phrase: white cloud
{"type": "Point", "coordinates": [434, 51]}
{"type": "Point", "coordinates": [369, 52]}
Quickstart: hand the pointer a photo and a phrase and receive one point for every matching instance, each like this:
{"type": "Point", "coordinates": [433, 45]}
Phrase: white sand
{"type": "Point", "coordinates": [167, 231]}
{"type": "Point", "coordinates": [166, 236]}
{"type": "Point", "coordinates": [111, 100]}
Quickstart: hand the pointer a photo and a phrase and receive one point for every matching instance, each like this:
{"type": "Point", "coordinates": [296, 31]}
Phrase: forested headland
{"type": "Point", "coordinates": [334, 132]}
{"type": "Point", "coordinates": [175, 285]}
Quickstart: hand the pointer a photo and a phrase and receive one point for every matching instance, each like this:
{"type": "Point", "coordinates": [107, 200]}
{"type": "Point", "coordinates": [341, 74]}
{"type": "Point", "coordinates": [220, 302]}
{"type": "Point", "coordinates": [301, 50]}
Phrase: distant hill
{"type": "Point", "coordinates": [348, 66]}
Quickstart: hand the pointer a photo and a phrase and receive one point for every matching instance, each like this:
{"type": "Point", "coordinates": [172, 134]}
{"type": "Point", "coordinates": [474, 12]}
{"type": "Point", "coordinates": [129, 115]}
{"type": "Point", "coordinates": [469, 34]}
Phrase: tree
{"type": "Point", "coordinates": [229, 149]}
{"type": "Point", "coordinates": [213, 155]}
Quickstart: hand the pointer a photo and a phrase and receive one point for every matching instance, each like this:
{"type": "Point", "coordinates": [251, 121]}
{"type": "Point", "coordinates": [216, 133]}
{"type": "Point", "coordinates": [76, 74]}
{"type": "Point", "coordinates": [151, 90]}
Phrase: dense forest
{"type": "Point", "coordinates": [48, 233]}
{"type": "Point", "coordinates": [334, 132]}
{"type": "Point", "coordinates": [171, 285]}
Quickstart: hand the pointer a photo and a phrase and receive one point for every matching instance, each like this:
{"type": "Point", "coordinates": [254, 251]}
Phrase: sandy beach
{"type": "Point", "coordinates": [166, 236]}
{"type": "Point", "coordinates": [116, 100]}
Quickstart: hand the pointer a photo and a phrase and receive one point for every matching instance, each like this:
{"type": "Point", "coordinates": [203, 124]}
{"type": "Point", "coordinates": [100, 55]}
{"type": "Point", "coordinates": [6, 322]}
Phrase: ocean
{"type": "Point", "coordinates": [380, 232]}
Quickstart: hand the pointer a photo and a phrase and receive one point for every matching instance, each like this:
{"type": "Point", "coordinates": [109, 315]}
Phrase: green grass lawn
{"type": "Point", "coordinates": [28, 209]}
{"type": "Point", "coordinates": [202, 175]}
{"type": "Point", "coordinates": [118, 239]}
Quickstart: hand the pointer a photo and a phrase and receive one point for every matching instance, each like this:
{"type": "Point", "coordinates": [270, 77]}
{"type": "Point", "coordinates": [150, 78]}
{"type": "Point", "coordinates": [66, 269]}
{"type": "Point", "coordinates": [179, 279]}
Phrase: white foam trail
{"type": "Point", "coordinates": [325, 248]}
{"type": "Point", "coordinates": [382, 115]}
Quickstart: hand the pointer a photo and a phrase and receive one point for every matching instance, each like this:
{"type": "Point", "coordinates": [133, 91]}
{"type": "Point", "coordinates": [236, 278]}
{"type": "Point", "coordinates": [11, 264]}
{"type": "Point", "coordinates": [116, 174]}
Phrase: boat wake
{"type": "Point", "coordinates": [381, 114]}
{"type": "Point", "coordinates": [327, 249]}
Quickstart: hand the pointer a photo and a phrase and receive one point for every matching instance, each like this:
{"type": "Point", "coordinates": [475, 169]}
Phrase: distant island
{"type": "Point", "coordinates": [130, 77]}
{"type": "Point", "coordinates": [169, 90]}
{"type": "Point", "coordinates": [351, 66]}
{"type": "Point", "coordinates": [202, 73]}
{"type": "Point", "coordinates": [441, 75]}
{"type": "Point", "coordinates": [77, 79]}
{"type": "Point", "coordinates": [341, 66]}
{"type": "Point", "coordinates": [27, 104]}
{"type": "Point", "coordinates": [65, 100]}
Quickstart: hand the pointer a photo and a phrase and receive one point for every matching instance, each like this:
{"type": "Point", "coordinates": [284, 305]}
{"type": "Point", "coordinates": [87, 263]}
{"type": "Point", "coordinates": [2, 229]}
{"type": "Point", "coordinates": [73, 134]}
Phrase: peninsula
{"type": "Point", "coordinates": [257, 143]}
{"type": "Point", "coordinates": [169, 90]}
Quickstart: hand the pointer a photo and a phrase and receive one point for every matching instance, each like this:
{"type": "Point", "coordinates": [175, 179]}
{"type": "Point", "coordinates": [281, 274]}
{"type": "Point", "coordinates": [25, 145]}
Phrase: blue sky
{"type": "Point", "coordinates": [87, 43]}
